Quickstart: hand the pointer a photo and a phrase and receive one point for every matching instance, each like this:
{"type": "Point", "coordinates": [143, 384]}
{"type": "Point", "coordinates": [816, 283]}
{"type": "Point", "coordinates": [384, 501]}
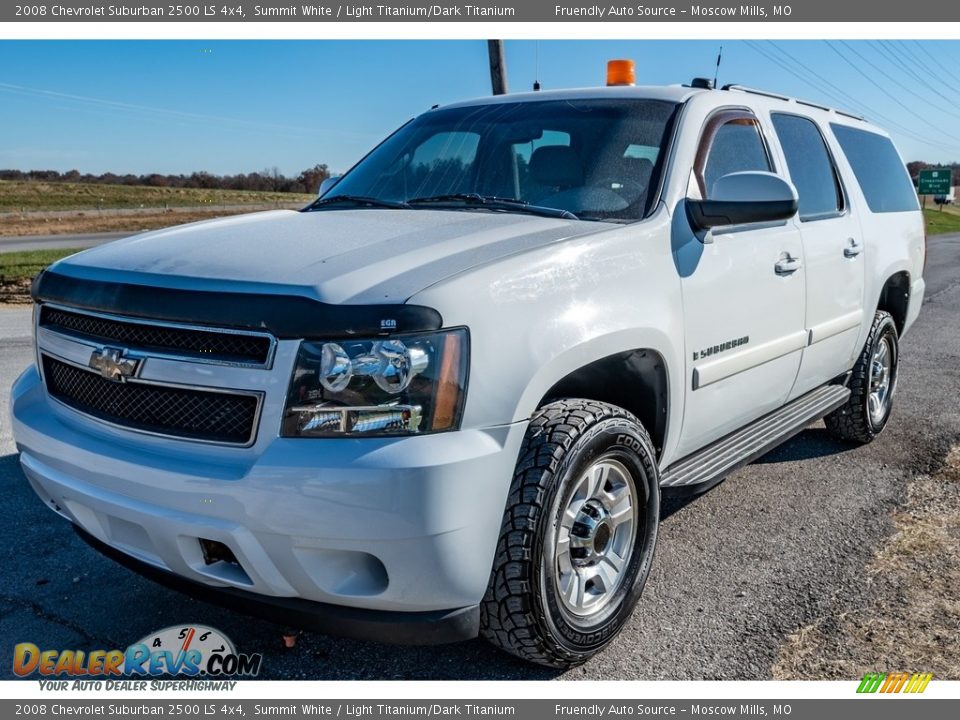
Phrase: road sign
{"type": "Point", "coordinates": [935, 182]}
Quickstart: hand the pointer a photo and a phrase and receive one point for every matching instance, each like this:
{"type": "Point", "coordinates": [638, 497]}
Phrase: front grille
{"type": "Point", "coordinates": [178, 412]}
{"type": "Point", "coordinates": [214, 345]}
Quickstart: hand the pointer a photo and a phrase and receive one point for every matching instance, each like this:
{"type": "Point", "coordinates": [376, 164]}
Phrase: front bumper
{"type": "Point", "coordinates": [382, 524]}
{"type": "Point", "coordinates": [404, 628]}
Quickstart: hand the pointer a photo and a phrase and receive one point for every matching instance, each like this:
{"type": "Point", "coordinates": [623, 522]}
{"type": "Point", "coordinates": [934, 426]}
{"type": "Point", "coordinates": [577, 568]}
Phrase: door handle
{"type": "Point", "coordinates": [852, 249]}
{"type": "Point", "coordinates": [787, 265]}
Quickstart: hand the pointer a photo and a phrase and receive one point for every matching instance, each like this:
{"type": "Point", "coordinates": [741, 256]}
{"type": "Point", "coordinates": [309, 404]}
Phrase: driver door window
{"type": "Point", "coordinates": [732, 143]}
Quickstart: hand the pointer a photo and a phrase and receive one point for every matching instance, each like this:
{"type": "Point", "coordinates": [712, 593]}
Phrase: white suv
{"type": "Point", "coordinates": [445, 398]}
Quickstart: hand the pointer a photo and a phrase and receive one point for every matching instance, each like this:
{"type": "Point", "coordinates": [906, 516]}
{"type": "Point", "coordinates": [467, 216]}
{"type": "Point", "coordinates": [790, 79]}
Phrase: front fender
{"type": "Point", "coordinates": [536, 316]}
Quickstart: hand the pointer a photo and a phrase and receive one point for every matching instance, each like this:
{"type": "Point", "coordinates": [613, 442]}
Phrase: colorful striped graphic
{"type": "Point", "coordinates": [898, 682]}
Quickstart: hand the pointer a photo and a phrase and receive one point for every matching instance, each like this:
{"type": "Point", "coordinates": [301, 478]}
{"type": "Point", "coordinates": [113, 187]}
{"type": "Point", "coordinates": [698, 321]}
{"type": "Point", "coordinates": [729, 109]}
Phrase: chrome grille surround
{"type": "Point", "coordinates": [203, 413]}
{"type": "Point", "coordinates": [221, 346]}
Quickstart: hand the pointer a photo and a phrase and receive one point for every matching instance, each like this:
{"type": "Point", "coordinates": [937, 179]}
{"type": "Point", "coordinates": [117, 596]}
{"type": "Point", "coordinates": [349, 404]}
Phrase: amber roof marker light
{"type": "Point", "coordinates": [621, 72]}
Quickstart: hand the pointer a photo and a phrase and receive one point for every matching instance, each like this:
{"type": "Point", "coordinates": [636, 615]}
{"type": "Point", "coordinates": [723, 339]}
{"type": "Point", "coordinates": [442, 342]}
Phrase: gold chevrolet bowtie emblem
{"type": "Point", "coordinates": [112, 365]}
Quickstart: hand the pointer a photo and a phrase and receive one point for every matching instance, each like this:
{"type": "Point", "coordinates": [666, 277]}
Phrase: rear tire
{"type": "Point", "coordinates": [578, 534]}
{"type": "Point", "coordinates": [872, 385]}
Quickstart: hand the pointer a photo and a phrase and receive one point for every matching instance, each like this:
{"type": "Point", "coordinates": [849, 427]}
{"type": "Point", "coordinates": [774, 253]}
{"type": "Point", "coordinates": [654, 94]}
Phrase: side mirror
{"type": "Point", "coordinates": [327, 184]}
{"type": "Point", "coordinates": [744, 197]}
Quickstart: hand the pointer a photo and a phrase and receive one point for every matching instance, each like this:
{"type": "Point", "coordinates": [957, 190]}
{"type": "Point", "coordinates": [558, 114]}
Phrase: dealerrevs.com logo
{"type": "Point", "coordinates": [191, 651]}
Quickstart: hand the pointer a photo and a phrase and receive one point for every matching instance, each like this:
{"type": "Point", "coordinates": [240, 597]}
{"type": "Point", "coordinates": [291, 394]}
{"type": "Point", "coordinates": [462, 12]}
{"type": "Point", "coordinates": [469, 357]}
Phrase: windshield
{"type": "Point", "coordinates": [596, 159]}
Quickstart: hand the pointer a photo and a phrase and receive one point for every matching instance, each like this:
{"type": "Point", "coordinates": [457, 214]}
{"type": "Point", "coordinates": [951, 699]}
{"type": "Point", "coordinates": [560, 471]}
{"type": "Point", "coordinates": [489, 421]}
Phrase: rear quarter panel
{"type": "Point", "coordinates": [893, 241]}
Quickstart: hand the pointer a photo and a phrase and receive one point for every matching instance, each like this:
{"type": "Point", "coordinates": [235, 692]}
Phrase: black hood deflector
{"type": "Point", "coordinates": [285, 316]}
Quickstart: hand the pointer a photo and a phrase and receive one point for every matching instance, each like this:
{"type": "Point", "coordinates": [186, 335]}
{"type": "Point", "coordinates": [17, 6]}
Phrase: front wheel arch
{"type": "Point", "coordinates": [636, 380]}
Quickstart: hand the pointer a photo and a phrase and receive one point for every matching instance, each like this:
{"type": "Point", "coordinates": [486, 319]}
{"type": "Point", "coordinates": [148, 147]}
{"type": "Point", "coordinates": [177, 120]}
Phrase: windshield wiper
{"type": "Point", "coordinates": [356, 201]}
{"type": "Point", "coordinates": [491, 202]}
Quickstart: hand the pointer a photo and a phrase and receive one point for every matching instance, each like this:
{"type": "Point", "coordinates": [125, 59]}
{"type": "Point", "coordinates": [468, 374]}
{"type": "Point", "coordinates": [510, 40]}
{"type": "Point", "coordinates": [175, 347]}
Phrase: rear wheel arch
{"type": "Point", "coordinates": [635, 380]}
{"type": "Point", "coordinates": [872, 383]}
{"type": "Point", "coordinates": [895, 298]}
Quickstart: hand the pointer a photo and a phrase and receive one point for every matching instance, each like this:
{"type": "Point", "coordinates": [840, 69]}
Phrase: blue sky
{"type": "Point", "coordinates": [239, 106]}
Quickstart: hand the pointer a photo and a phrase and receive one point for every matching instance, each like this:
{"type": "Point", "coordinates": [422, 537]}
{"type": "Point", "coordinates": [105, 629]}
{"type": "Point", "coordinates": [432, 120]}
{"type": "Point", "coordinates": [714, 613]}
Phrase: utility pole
{"type": "Point", "coordinates": [498, 67]}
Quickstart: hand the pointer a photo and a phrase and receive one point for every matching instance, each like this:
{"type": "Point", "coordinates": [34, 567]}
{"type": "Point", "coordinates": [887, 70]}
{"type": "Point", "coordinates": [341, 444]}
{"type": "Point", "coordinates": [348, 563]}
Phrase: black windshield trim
{"type": "Point", "coordinates": [355, 201]}
{"type": "Point", "coordinates": [490, 202]}
{"type": "Point", "coordinates": [659, 175]}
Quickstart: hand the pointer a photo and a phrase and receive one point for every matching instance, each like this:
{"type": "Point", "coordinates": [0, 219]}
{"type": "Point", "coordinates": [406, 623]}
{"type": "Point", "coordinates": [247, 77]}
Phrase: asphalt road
{"type": "Point", "coordinates": [766, 552]}
{"type": "Point", "coordinates": [15, 243]}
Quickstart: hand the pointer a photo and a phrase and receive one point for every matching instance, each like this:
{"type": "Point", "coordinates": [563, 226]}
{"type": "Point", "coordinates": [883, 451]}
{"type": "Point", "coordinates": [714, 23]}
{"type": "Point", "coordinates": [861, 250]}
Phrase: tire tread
{"type": "Point", "coordinates": [508, 618]}
{"type": "Point", "coordinates": [851, 421]}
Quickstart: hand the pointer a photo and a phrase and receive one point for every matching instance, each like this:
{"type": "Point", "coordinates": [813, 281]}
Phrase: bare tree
{"type": "Point", "coordinates": [311, 178]}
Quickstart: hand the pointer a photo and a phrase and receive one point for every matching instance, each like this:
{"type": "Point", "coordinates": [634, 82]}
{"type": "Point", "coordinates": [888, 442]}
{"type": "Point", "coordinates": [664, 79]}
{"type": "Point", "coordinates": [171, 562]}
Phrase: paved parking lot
{"type": "Point", "coordinates": [774, 547]}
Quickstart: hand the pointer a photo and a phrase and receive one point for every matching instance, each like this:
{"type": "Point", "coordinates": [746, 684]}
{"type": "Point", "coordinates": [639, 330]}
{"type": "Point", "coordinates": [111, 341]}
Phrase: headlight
{"type": "Point", "coordinates": [396, 385]}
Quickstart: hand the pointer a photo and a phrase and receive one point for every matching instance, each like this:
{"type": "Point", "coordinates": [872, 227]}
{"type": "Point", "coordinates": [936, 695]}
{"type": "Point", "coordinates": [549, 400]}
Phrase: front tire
{"type": "Point", "coordinates": [872, 385]}
{"type": "Point", "coordinates": [578, 534]}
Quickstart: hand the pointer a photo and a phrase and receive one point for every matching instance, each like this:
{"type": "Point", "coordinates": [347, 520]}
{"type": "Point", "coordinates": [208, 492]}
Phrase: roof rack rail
{"type": "Point", "coordinates": [855, 116]}
{"type": "Point", "coordinates": [810, 103]}
{"type": "Point", "coordinates": [787, 98]}
{"type": "Point", "coordinates": [754, 91]}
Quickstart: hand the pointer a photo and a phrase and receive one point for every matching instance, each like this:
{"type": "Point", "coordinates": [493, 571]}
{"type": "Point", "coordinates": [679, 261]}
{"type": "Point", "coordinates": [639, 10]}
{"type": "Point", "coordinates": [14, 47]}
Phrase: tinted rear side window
{"type": "Point", "coordinates": [879, 170]}
{"type": "Point", "coordinates": [810, 165]}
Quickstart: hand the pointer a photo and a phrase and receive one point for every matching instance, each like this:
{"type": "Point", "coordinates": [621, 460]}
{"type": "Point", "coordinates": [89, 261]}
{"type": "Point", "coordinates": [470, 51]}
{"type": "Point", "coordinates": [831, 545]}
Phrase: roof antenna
{"type": "Point", "coordinates": [716, 73]}
{"type": "Point", "coordinates": [536, 72]}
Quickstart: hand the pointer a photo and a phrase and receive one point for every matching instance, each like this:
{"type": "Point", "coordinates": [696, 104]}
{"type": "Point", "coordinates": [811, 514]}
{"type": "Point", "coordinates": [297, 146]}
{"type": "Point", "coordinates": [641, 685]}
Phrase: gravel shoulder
{"type": "Point", "coordinates": [909, 618]}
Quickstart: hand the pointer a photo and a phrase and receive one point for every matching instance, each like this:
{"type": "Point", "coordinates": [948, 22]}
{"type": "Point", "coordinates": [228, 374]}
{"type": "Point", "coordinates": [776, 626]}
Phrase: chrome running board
{"type": "Point", "coordinates": [705, 468]}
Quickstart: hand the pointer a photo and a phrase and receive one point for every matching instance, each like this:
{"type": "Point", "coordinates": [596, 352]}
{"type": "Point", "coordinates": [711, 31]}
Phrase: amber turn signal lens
{"type": "Point", "coordinates": [449, 384]}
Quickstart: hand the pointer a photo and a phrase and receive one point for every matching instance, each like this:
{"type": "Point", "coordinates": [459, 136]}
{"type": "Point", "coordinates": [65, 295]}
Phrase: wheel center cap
{"type": "Point", "coordinates": [601, 538]}
{"type": "Point", "coordinates": [878, 373]}
{"type": "Point", "coordinates": [591, 533]}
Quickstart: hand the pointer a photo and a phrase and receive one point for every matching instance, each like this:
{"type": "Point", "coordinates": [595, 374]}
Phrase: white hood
{"type": "Point", "coordinates": [337, 256]}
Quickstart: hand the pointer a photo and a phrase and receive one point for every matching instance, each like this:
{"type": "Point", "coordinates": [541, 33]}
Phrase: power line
{"type": "Point", "coordinates": [914, 61]}
{"type": "Point", "coordinates": [930, 55]}
{"type": "Point", "coordinates": [846, 98]}
{"type": "Point", "coordinates": [894, 57]}
{"type": "Point", "coordinates": [873, 82]}
{"type": "Point", "coordinates": [785, 66]}
{"type": "Point", "coordinates": [896, 82]}
{"type": "Point", "coordinates": [841, 96]}
{"type": "Point", "coordinates": [153, 112]}
{"type": "Point", "coordinates": [908, 64]}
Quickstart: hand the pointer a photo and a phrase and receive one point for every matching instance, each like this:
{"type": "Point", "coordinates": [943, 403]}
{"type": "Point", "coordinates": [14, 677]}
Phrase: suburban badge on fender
{"type": "Point", "coordinates": [112, 365]}
{"type": "Point", "coordinates": [722, 347]}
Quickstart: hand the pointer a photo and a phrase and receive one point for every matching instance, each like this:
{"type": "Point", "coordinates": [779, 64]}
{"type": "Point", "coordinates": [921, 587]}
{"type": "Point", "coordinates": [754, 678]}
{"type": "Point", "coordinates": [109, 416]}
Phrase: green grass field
{"type": "Point", "coordinates": [27, 263]}
{"type": "Point", "coordinates": [939, 223]}
{"type": "Point", "coordinates": [18, 196]}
